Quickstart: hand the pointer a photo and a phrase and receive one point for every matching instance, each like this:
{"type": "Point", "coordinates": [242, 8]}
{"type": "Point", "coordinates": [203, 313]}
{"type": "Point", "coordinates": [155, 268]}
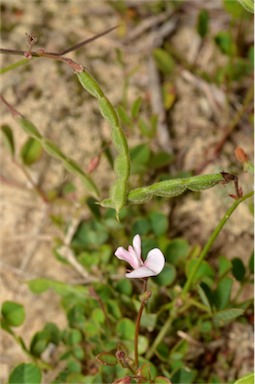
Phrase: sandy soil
{"type": "Point", "coordinates": [47, 94]}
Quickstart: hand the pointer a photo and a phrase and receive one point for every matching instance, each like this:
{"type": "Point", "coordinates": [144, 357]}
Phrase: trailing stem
{"type": "Point", "coordinates": [181, 299]}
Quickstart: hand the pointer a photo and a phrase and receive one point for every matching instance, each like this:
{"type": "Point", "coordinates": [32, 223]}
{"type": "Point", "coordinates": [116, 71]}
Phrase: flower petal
{"type": "Point", "coordinates": [140, 272]}
{"type": "Point", "coordinates": [137, 246]}
{"type": "Point", "coordinates": [155, 261]}
{"type": "Point", "coordinates": [130, 258]}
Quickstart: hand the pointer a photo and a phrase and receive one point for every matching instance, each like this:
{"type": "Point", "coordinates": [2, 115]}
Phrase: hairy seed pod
{"type": "Point", "coordinates": [90, 84]}
{"type": "Point", "coordinates": [118, 192]}
{"type": "Point", "coordinates": [173, 187]}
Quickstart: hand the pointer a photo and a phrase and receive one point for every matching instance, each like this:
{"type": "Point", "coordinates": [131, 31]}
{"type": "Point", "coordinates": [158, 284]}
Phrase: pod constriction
{"type": "Point", "coordinates": [118, 194]}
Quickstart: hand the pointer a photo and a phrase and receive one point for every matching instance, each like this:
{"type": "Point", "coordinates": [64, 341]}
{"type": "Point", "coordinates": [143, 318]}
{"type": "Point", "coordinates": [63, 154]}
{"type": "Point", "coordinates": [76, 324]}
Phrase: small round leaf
{"type": "Point", "coordinates": [13, 313]}
{"type": "Point", "coordinates": [167, 276]}
{"type": "Point", "coordinates": [24, 374]}
{"type": "Point", "coordinates": [31, 151]}
{"type": "Point", "coordinates": [107, 358]}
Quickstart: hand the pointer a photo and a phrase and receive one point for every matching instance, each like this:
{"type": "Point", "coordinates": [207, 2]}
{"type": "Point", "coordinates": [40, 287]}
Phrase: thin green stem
{"type": "Point", "coordinates": [160, 336]}
{"type": "Point", "coordinates": [177, 311]}
{"type": "Point", "coordinates": [195, 303]}
{"type": "Point", "coordinates": [210, 242]}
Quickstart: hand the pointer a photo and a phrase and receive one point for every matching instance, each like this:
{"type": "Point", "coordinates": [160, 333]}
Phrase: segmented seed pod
{"type": "Point", "coordinates": [173, 187]}
{"type": "Point", "coordinates": [118, 193]}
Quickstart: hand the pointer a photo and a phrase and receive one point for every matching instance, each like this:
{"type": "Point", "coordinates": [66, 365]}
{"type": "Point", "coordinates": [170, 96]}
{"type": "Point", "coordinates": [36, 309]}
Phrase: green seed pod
{"type": "Point", "coordinates": [30, 128]}
{"type": "Point", "coordinates": [121, 166]}
{"type": "Point", "coordinates": [118, 193]}
{"type": "Point", "coordinates": [168, 188]}
{"type": "Point", "coordinates": [119, 140]}
{"type": "Point", "coordinates": [139, 195]}
{"type": "Point", "coordinates": [173, 187]}
{"type": "Point", "coordinates": [90, 84]}
{"type": "Point", "coordinates": [198, 183]}
{"type": "Point", "coordinates": [74, 168]}
{"type": "Point", "coordinates": [53, 150]}
{"type": "Point", "coordinates": [108, 112]}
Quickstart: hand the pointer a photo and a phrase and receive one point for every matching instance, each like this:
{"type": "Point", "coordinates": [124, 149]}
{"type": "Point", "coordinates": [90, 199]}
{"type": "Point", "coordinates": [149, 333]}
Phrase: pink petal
{"type": "Point", "coordinates": [140, 272]}
{"type": "Point", "coordinates": [137, 246]}
{"type": "Point", "coordinates": [130, 258]}
{"type": "Point", "coordinates": [155, 261]}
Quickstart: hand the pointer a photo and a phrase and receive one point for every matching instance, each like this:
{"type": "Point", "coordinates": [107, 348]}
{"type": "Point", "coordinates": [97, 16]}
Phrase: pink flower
{"type": "Point", "coordinates": [152, 266]}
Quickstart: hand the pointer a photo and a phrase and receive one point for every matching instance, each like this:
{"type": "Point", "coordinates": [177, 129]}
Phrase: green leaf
{"type": "Point", "coordinates": [92, 331]}
{"type": "Point", "coordinates": [148, 321]}
{"type": "Point", "coordinates": [123, 116]}
{"type": "Point", "coordinates": [107, 358]}
{"type": "Point", "coordinates": [76, 316]}
{"type": "Point", "coordinates": [78, 352]}
{"type": "Point", "coordinates": [136, 107]}
{"type": "Point", "coordinates": [224, 266]}
{"type": "Point", "coordinates": [31, 151]}
{"type": "Point", "coordinates": [94, 208]}
{"type": "Point", "coordinates": [204, 270]}
{"type": "Point", "coordinates": [74, 366]}
{"type": "Point", "coordinates": [125, 287]}
{"type": "Point", "coordinates": [162, 380]}
{"type": "Point", "coordinates": [113, 309]}
{"type": "Point", "coordinates": [40, 341]}
{"type": "Point", "coordinates": [251, 56]}
{"type": "Point", "coordinates": [72, 336]}
{"type": "Point", "coordinates": [205, 295]}
{"type": "Point", "coordinates": [202, 23]}
{"type": "Point", "coordinates": [160, 159]}
{"type": "Point", "coordinates": [145, 129]}
{"type": "Point", "coordinates": [238, 269]}
{"type": "Point", "coordinates": [225, 316]}
{"type": "Point", "coordinates": [8, 138]}
{"type": "Point", "coordinates": [184, 375]}
{"type": "Point", "coordinates": [167, 276]}
{"type": "Point", "coordinates": [125, 329]}
{"type": "Point", "coordinates": [237, 8]}
{"type": "Point", "coordinates": [98, 316]}
{"type": "Point", "coordinates": [145, 371]}
{"type": "Point", "coordinates": [222, 293]}
{"type": "Point", "coordinates": [247, 379]}
{"type": "Point", "coordinates": [159, 223]}
{"type": "Point", "coordinates": [139, 156]}
{"type": "Point", "coordinates": [76, 377]}
{"type": "Point", "coordinates": [169, 95]}
{"type": "Point", "coordinates": [39, 286]}
{"type": "Point", "coordinates": [90, 235]}
{"type": "Point", "coordinates": [164, 60]}
{"type": "Point", "coordinates": [141, 226]}
{"type": "Point", "coordinates": [251, 263]}
{"type": "Point", "coordinates": [25, 374]}
{"type": "Point", "coordinates": [13, 313]}
{"type": "Point", "coordinates": [226, 43]}
{"type": "Point", "coordinates": [142, 344]}
{"type": "Point", "coordinates": [177, 251]}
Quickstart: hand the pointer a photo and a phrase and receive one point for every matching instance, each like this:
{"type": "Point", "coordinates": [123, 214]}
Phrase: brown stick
{"type": "Point", "coordinates": [73, 48]}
